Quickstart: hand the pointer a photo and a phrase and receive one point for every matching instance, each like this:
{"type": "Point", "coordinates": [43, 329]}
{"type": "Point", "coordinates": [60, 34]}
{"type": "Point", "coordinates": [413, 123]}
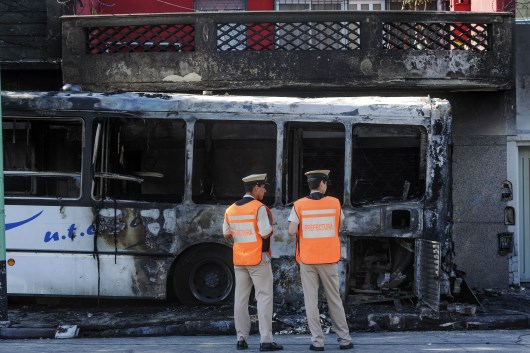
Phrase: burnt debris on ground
{"type": "Point", "coordinates": [496, 308]}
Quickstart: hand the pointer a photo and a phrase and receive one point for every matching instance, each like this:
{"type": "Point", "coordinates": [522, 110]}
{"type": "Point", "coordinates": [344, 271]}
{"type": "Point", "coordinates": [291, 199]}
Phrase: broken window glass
{"type": "Point", "coordinates": [139, 159]}
{"type": "Point", "coordinates": [388, 163]}
{"type": "Point", "coordinates": [42, 157]}
{"type": "Point", "coordinates": [312, 146]}
{"type": "Point", "coordinates": [226, 151]}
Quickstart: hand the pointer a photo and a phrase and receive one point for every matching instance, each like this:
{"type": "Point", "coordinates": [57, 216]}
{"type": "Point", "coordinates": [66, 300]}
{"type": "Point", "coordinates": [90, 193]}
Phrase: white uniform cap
{"type": "Point", "coordinates": [321, 173]}
{"type": "Point", "coordinates": [255, 179]}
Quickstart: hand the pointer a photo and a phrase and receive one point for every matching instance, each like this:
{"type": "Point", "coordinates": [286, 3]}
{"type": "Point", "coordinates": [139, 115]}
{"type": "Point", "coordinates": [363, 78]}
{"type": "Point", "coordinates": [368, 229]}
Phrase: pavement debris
{"type": "Point", "coordinates": [68, 318]}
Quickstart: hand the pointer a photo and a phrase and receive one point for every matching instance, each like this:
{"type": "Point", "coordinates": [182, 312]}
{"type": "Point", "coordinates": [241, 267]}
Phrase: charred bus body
{"type": "Point", "coordinates": [124, 194]}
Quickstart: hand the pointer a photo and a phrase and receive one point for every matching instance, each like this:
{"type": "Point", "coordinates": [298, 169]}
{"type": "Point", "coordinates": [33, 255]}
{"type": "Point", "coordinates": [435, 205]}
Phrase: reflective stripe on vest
{"type": "Point", "coordinates": [243, 223]}
{"type": "Point", "coordinates": [318, 233]}
{"type": "Point", "coordinates": [319, 223]}
{"type": "Point", "coordinates": [242, 228]}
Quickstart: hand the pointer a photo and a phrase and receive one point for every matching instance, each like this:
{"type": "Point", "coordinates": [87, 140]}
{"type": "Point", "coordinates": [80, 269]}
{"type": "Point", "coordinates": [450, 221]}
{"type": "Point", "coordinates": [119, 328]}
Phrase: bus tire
{"type": "Point", "coordinates": [204, 275]}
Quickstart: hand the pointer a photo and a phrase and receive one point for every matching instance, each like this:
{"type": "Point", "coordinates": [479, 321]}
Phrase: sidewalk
{"type": "Point", "coordinates": [119, 318]}
{"type": "Point", "coordinates": [511, 341]}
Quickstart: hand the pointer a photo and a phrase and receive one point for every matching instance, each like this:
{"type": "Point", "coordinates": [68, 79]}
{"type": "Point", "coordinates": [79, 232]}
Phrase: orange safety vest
{"type": "Point", "coordinates": [243, 223]}
{"type": "Point", "coordinates": [318, 230]}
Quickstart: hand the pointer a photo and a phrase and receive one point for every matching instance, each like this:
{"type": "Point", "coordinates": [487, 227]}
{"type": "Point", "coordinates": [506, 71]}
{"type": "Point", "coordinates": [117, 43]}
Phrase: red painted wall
{"type": "Point", "coordinates": [260, 5]}
{"type": "Point", "coordinates": [261, 35]}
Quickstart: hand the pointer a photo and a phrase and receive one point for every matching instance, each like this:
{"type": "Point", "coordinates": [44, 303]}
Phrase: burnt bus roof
{"type": "Point", "coordinates": [147, 105]}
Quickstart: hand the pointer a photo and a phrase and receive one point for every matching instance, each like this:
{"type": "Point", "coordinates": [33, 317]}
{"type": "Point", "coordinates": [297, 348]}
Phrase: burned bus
{"type": "Point", "coordinates": [123, 194]}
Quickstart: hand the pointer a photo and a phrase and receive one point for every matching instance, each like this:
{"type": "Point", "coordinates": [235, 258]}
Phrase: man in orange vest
{"type": "Point", "coordinates": [249, 223]}
{"type": "Point", "coordinates": [315, 220]}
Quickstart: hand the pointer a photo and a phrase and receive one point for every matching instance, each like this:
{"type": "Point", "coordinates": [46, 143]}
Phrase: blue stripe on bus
{"type": "Point", "coordinates": [18, 224]}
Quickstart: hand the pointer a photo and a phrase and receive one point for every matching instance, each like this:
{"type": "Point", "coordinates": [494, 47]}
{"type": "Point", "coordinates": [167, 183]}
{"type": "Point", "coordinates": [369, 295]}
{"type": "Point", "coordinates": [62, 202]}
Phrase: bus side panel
{"type": "Point", "coordinates": [77, 274]}
{"type": "Point", "coordinates": [49, 228]}
{"type": "Point", "coordinates": [52, 274]}
{"type": "Point", "coordinates": [53, 252]}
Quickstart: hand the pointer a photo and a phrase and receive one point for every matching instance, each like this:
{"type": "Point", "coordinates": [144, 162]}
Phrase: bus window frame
{"type": "Point", "coordinates": [423, 129]}
{"type": "Point", "coordinates": [256, 122]}
{"type": "Point", "coordinates": [305, 125]}
{"type": "Point", "coordinates": [189, 119]}
{"type": "Point", "coordinates": [280, 120]}
{"type": "Point", "coordinates": [96, 135]}
{"type": "Point", "coordinates": [192, 118]}
{"type": "Point", "coordinates": [51, 174]}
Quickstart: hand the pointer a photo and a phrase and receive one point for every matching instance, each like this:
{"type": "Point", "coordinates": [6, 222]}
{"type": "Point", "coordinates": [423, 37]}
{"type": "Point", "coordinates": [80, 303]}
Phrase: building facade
{"type": "Point", "coordinates": [30, 45]}
{"type": "Point", "coordinates": [124, 7]}
{"type": "Point", "coordinates": [517, 159]}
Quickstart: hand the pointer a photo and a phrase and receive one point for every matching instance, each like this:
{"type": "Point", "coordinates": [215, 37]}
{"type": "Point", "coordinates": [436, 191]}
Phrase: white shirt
{"type": "Point", "coordinates": [264, 225]}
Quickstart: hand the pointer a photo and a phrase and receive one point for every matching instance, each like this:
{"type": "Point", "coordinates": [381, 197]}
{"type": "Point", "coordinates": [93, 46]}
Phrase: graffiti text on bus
{"type": "Point", "coordinates": [70, 233]}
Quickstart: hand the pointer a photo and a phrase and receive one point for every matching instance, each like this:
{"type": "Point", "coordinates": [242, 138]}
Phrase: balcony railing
{"type": "Point", "coordinates": [261, 50]}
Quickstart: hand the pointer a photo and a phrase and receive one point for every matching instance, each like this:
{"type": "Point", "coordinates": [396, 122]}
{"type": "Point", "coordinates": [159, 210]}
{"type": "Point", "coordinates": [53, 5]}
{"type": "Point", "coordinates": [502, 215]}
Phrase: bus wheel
{"type": "Point", "coordinates": [204, 275]}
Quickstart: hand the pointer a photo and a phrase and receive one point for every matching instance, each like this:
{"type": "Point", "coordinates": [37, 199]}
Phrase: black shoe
{"type": "Point", "coordinates": [347, 346]}
{"type": "Point", "coordinates": [315, 348]}
{"type": "Point", "coordinates": [241, 345]}
{"type": "Point", "coordinates": [268, 347]}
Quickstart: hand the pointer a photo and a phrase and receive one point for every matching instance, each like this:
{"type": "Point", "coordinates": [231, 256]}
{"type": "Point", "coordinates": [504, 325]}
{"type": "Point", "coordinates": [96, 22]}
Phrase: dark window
{"type": "Point", "coordinates": [139, 159]}
{"type": "Point", "coordinates": [224, 152]}
{"type": "Point", "coordinates": [42, 157]}
{"type": "Point", "coordinates": [400, 219]}
{"type": "Point", "coordinates": [388, 163]}
{"type": "Point", "coordinates": [313, 146]}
